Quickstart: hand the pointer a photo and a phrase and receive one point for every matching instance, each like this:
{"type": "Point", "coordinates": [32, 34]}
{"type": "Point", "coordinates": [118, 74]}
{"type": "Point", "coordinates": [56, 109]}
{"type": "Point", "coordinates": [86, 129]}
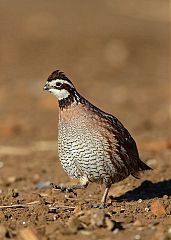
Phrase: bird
{"type": "Point", "coordinates": [93, 146]}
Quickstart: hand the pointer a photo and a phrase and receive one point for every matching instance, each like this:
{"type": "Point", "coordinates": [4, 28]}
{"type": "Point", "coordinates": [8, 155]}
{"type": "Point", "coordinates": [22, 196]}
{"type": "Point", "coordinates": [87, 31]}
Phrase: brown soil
{"type": "Point", "coordinates": [117, 56]}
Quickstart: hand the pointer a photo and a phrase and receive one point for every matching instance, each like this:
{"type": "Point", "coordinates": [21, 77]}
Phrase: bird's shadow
{"type": "Point", "coordinates": [147, 190]}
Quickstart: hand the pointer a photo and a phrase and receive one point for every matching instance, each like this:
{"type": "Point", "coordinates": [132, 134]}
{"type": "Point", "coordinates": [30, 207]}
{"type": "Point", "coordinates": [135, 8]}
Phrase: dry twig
{"type": "Point", "coordinates": [25, 205]}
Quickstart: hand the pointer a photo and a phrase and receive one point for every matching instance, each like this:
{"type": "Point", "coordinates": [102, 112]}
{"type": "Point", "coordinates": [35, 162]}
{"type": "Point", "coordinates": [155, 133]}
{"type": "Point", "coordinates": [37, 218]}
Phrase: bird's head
{"type": "Point", "coordinates": [62, 88]}
{"type": "Point", "coordinates": [59, 85]}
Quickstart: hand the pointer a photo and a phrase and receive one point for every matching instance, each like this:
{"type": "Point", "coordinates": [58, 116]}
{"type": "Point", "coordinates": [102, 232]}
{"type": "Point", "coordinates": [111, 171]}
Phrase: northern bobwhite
{"type": "Point", "coordinates": [93, 145]}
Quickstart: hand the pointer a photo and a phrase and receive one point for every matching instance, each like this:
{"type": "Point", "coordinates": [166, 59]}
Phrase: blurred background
{"type": "Point", "coordinates": [115, 52]}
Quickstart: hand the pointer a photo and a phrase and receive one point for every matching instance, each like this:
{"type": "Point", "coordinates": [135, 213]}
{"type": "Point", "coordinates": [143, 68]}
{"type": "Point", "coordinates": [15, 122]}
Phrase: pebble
{"type": "Point", "coordinates": [116, 231]}
{"type": "Point", "coordinates": [169, 231]}
{"type": "Point", "coordinates": [43, 194]}
{"type": "Point", "coordinates": [146, 209]}
{"type": "Point", "coordinates": [137, 237]}
{"type": "Point", "coordinates": [52, 210]}
{"type": "Point", "coordinates": [140, 200]}
{"type": "Point", "coordinates": [158, 208]}
{"type": "Point", "coordinates": [55, 217]}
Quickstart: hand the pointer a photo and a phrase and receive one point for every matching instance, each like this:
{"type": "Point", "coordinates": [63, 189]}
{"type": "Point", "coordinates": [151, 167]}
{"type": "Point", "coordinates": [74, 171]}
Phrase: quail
{"type": "Point", "coordinates": [93, 145]}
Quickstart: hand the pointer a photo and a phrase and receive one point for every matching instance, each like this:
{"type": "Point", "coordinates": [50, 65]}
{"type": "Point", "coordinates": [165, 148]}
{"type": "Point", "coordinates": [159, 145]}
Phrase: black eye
{"type": "Point", "coordinates": [58, 84]}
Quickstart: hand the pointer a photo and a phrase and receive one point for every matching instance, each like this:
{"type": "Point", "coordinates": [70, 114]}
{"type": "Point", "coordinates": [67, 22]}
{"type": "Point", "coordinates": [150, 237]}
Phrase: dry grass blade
{"type": "Point", "coordinates": [25, 205]}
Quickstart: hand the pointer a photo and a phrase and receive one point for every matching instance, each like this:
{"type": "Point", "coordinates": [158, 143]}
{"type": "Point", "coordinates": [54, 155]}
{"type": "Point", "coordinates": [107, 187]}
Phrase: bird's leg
{"type": "Point", "coordinates": [70, 188]}
{"type": "Point", "coordinates": [104, 197]}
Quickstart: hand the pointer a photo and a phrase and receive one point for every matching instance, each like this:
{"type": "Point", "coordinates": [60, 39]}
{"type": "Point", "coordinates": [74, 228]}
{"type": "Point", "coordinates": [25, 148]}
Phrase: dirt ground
{"type": "Point", "coordinates": [117, 55]}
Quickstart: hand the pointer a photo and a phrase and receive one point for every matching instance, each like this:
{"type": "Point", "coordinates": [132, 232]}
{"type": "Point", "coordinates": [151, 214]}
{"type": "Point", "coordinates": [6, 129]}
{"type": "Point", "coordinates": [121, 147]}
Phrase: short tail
{"type": "Point", "coordinates": [141, 167]}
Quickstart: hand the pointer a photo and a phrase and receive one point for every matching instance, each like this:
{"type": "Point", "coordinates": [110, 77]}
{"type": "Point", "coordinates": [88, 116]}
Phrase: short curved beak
{"type": "Point", "coordinates": [46, 87]}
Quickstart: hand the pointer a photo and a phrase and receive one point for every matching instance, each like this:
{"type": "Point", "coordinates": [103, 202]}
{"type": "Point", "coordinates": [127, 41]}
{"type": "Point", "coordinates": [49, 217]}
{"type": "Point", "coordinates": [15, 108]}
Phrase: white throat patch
{"type": "Point", "coordinates": [60, 94]}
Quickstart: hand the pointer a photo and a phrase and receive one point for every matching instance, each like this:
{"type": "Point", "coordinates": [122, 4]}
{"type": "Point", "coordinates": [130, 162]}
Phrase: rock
{"type": "Point", "coordinates": [158, 208]}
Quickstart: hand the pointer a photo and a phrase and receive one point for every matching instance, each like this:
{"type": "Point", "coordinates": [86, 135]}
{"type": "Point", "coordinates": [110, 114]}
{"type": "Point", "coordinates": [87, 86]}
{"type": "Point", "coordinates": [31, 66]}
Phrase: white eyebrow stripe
{"type": "Point", "coordinates": [63, 82]}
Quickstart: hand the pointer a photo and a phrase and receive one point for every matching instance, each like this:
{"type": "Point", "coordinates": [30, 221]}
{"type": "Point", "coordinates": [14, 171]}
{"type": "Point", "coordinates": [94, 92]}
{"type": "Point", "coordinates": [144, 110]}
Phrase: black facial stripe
{"type": "Point", "coordinates": [64, 86]}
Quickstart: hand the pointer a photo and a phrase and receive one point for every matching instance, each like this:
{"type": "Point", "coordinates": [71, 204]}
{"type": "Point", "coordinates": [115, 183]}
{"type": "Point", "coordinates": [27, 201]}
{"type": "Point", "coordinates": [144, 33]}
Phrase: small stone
{"type": "Point", "coordinates": [137, 237]}
{"type": "Point", "coordinates": [157, 208]}
{"type": "Point", "coordinates": [139, 200]}
{"type": "Point", "coordinates": [122, 210]}
{"type": "Point", "coordinates": [43, 194]}
{"type": "Point", "coordinates": [146, 209]}
{"type": "Point", "coordinates": [52, 210]}
{"type": "Point", "coordinates": [169, 231]}
{"type": "Point", "coordinates": [116, 231]}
